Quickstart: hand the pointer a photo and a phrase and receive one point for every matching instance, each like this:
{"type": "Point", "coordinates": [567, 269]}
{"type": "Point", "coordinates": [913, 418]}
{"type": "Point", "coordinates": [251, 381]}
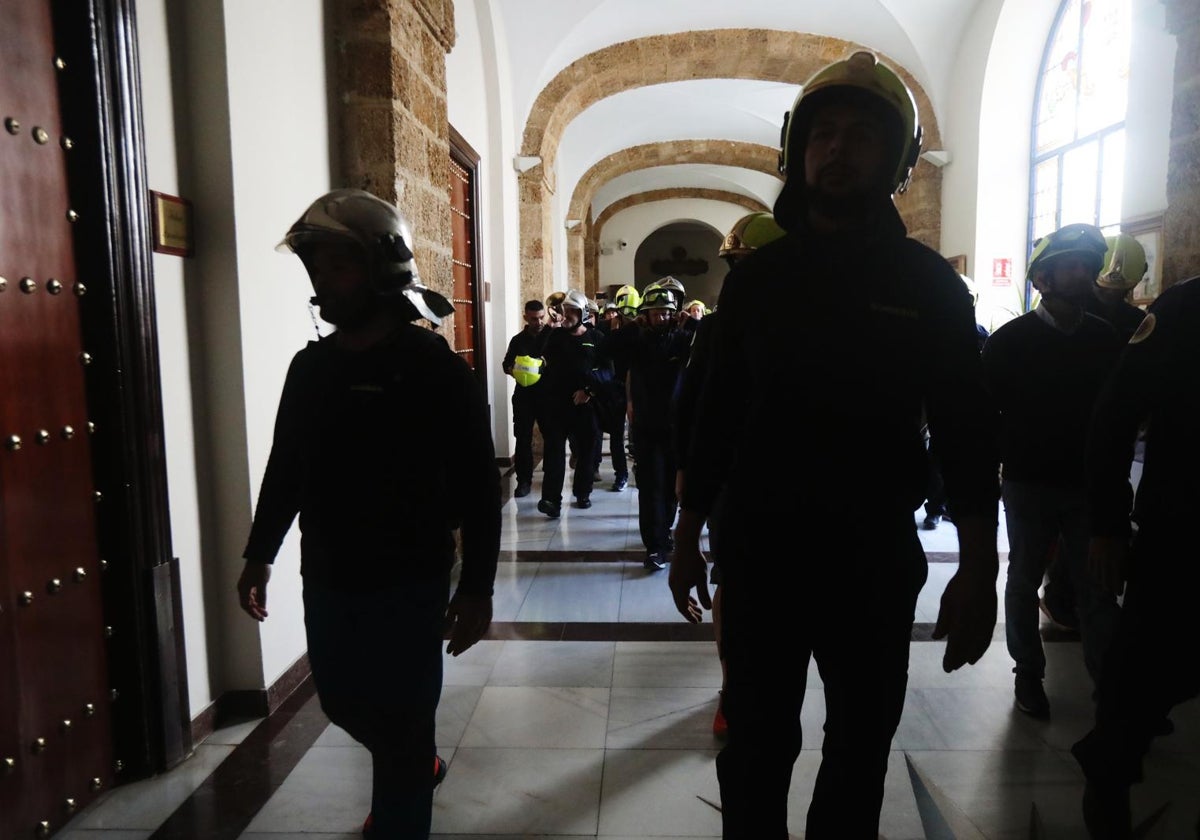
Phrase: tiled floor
{"type": "Point", "coordinates": [612, 739]}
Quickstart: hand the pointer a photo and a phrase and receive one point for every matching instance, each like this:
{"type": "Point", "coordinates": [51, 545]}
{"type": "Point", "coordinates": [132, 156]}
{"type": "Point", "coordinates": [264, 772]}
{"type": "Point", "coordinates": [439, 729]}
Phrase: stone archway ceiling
{"type": "Point", "coordinates": [751, 156]}
{"type": "Point", "coordinates": [752, 205]}
{"type": "Point", "coordinates": [752, 54]}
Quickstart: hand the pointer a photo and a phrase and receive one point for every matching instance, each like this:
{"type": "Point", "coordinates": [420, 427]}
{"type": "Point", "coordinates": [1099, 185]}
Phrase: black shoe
{"type": "Point", "coordinates": [549, 508]}
{"type": "Point", "coordinates": [654, 562]}
{"type": "Point", "coordinates": [523, 488]}
{"type": "Point", "coordinates": [1030, 697]}
{"type": "Point", "coordinates": [931, 522]}
{"type": "Point", "coordinates": [582, 504]}
{"type": "Point", "coordinates": [620, 484]}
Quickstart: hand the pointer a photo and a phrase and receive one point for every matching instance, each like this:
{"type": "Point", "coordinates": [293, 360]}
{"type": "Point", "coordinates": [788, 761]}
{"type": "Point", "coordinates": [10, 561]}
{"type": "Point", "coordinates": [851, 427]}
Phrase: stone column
{"type": "Point", "coordinates": [1181, 223]}
{"type": "Point", "coordinates": [394, 129]}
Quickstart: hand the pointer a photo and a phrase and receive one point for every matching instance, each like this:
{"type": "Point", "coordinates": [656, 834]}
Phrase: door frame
{"type": "Point", "coordinates": [142, 599]}
{"type": "Point", "coordinates": [466, 157]}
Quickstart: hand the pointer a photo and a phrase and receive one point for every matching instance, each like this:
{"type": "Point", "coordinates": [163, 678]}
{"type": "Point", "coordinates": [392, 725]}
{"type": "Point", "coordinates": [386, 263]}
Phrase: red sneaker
{"type": "Point", "coordinates": [720, 725]}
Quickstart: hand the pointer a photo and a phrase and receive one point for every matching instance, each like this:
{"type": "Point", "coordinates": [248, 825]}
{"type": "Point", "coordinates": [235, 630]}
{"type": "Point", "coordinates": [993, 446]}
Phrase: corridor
{"type": "Point", "coordinates": [588, 711]}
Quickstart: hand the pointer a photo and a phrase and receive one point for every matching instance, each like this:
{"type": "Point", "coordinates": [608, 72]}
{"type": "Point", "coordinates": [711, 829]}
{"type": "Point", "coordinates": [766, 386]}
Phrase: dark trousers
{"type": "Point", "coordinates": [775, 617]}
{"type": "Point", "coordinates": [616, 444]}
{"type": "Point", "coordinates": [525, 410]}
{"type": "Point", "coordinates": [655, 472]}
{"type": "Point", "coordinates": [377, 664]}
{"type": "Point", "coordinates": [1152, 665]}
{"type": "Point", "coordinates": [577, 425]}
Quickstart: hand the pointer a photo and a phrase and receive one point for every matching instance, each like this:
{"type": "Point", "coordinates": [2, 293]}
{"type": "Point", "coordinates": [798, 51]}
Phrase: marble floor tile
{"type": "Point", "coordinates": [654, 793]}
{"type": "Point", "coordinates": [667, 664]}
{"type": "Point", "coordinates": [570, 664]}
{"type": "Point", "coordinates": [147, 804]}
{"type": "Point", "coordinates": [472, 667]}
{"type": "Point", "coordinates": [329, 790]}
{"type": "Point", "coordinates": [233, 733]}
{"type": "Point", "coordinates": [574, 592]}
{"type": "Point", "coordinates": [104, 834]}
{"type": "Point", "coordinates": [661, 718]}
{"type": "Point", "coordinates": [645, 596]}
{"type": "Point", "coordinates": [543, 716]}
{"type": "Point", "coordinates": [520, 792]}
{"type": "Point", "coordinates": [511, 588]}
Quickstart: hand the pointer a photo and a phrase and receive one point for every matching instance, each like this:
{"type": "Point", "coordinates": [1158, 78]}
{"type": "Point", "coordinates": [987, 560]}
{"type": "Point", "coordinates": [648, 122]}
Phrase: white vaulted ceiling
{"type": "Point", "coordinates": [542, 37]}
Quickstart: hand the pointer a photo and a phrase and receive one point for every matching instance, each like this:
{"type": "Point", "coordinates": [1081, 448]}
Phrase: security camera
{"type": "Point", "coordinates": [622, 244]}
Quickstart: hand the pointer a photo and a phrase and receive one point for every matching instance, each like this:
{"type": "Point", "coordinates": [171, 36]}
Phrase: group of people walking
{"type": "Point", "coordinates": [383, 447]}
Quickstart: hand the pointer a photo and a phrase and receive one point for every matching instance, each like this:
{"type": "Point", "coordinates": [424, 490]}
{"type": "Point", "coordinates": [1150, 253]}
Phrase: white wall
{"type": "Point", "coordinates": [236, 122]}
{"type": "Point", "coordinates": [1148, 120]}
{"type": "Point", "coordinates": [636, 223]}
{"type": "Point", "coordinates": [478, 100]}
{"type": "Point", "coordinates": [162, 166]}
{"type": "Point", "coordinates": [281, 162]}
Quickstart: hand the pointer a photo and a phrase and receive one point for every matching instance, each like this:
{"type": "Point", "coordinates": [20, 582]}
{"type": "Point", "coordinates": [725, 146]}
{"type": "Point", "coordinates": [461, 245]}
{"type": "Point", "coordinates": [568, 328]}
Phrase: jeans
{"type": "Point", "coordinates": [1036, 516]}
{"type": "Point", "coordinates": [377, 663]}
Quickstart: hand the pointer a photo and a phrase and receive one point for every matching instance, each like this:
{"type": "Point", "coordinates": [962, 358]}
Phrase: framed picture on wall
{"type": "Point", "coordinates": [1148, 231]}
{"type": "Point", "coordinates": [959, 263]}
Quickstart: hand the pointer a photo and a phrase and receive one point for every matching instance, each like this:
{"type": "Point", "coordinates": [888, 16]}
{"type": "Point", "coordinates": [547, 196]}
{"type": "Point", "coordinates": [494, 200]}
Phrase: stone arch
{"type": "Point", "coordinates": [591, 245]}
{"type": "Point", "coordinates": [581, 243]}
{"type": "Point", "coordinates": [759, 54]}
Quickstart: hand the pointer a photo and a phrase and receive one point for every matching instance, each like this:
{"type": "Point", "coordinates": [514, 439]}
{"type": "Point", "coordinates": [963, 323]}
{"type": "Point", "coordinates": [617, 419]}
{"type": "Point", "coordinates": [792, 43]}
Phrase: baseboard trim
{"type": "Point", "coordinates": [245, 704]}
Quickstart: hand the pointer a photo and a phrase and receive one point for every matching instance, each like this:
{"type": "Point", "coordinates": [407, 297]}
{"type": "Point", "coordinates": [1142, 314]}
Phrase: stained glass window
{"type": "Point", "coordinates": [1079, 119]}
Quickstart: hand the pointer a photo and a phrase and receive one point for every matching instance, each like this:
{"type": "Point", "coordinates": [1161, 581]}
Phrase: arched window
{"type": "Point", "coordinates": [1077, 170]}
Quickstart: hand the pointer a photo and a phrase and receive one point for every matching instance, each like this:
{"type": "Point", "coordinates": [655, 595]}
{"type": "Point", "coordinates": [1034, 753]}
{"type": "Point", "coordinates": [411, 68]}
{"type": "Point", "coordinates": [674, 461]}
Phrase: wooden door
{"type": "Point", "coordinates": [468, 312]}
{"type": "Point", "coordinates": [55, 722]}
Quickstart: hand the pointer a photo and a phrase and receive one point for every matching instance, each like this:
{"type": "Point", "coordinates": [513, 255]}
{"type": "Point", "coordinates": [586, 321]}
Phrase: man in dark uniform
{"type": "Point", "coordinates": [659, 356]}
{"type": "Point", "coordinates": [1153, 663]}
{"type": "Point", "coordinates": [1045, 370]}
{"type": "Point", "coordinates": [525, 397]}
{"type": "Point", "coordinates": [618, 347]}
{"type": "Point", "coordinates": [574, 369]}
{"type": "Point", "coordinates": [850, 392]}
{"type": "Point", "coordinates": [383, 446]}
{"type": "Point", "coordinates": [748, 234]}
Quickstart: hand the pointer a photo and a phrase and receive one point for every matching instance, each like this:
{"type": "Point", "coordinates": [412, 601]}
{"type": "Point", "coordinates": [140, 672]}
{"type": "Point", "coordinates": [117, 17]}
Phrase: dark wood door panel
{"type": "Point", "coordinates": [54, 695]}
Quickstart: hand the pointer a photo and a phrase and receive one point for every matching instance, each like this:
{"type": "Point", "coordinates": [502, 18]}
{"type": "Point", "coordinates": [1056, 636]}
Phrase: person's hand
{"type": "Point", "coordinates": [467, 618]}
{"type": "Point", "coordinates": [252, 589]}
{"type": "Point", "coordinates": [580, 397]}
{"type": "Point", "coordinates": [967, 618]}
{"type": "Point", "coordinates": [689, 571]}
{"type": "Point", "coordinates": [1108, 562]}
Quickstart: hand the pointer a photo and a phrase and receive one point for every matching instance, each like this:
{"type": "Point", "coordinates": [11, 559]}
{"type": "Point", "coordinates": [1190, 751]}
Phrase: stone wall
{"type": "Point", "coordinates": [1181, 224]}
{"type": "Point", "coordinates": [394, 129]}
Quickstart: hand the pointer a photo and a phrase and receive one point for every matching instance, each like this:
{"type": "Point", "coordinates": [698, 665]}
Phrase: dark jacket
{"type": "Point", "coordinates": [655, 371]}
{"type": "Point", "coordinates": [833, 397]}
{"type": "Point", "coordinates": [1155, 380]}
{"type": "Point", "coordinates": [383, 454]}
{"type": "Point", "coordinates": [573, 363]}
{"type": "Point", "coordinates": [1045, 383]}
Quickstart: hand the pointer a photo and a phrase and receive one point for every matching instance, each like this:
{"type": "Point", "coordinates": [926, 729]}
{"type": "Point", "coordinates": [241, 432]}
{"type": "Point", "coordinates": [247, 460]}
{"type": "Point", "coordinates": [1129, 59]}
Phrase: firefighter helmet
{"type": "Point", "coordinates": [1124, 263]}
{"type": "Point", "coordinates": [385, 235]}
{"type": "Point", "coordinates": [750, 233]}
{"type": "Point", "coordinates": [1084, 241]}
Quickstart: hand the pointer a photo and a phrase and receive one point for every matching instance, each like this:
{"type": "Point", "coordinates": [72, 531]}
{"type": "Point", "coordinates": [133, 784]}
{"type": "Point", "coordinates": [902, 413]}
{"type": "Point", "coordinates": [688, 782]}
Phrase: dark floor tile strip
{"type": "Point", "coordinates": [222, 807]}
{"type": "Point", "coordinates": [576, 556]}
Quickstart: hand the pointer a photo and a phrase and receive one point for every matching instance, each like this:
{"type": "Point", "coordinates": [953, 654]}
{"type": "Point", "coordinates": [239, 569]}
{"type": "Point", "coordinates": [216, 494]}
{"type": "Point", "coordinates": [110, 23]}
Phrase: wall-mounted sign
{"type": "Point", "coordinates": [172, 224]}
{"type": "Point", "coordinates": [1002, 271]}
